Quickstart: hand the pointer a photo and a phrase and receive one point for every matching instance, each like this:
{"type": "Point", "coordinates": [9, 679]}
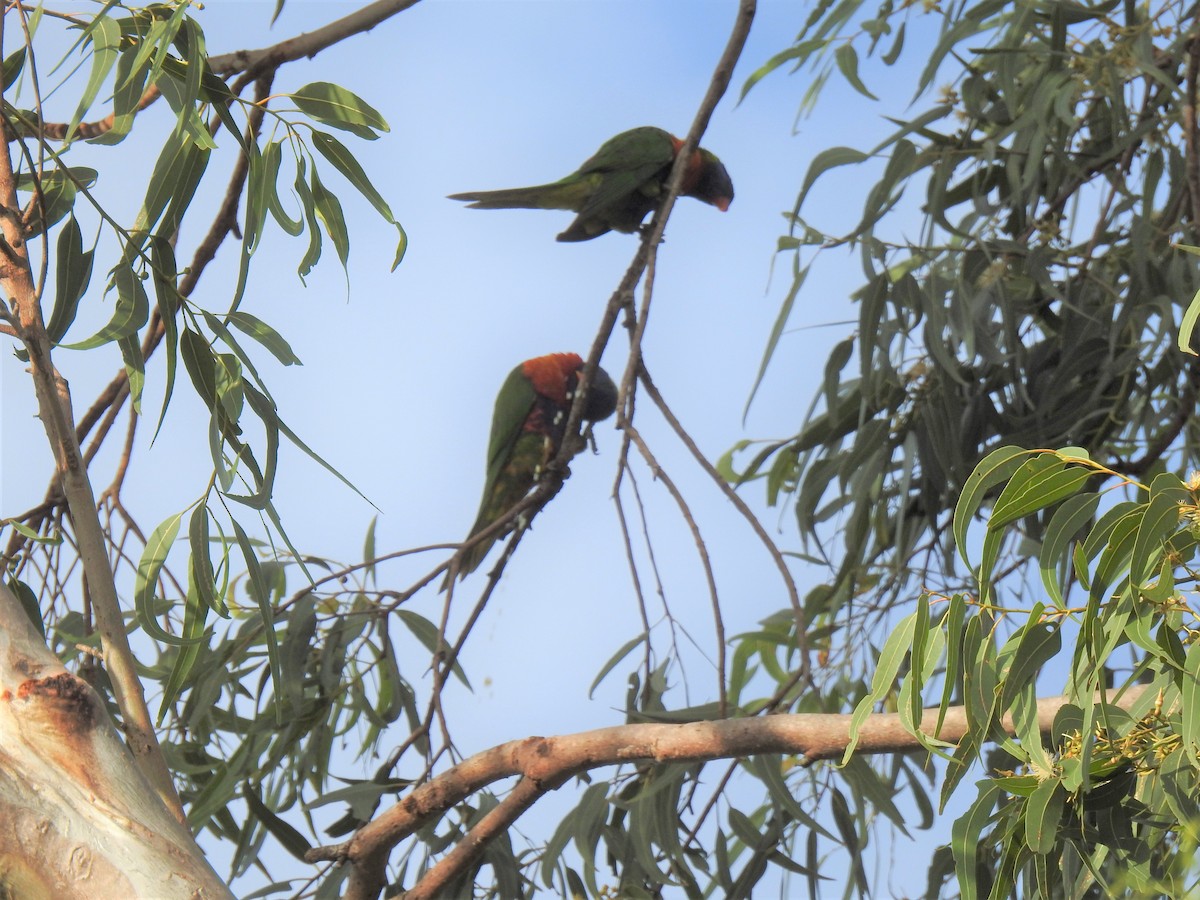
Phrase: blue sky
{"type": "Point", "coordinates": [401, 369]}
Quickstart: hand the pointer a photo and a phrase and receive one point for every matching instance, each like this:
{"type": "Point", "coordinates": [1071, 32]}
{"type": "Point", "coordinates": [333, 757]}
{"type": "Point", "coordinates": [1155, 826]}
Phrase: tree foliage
{"type": "Point", "coordinates": [987, 476]}
{"type": "Point", "coordinates": [1055, 164]}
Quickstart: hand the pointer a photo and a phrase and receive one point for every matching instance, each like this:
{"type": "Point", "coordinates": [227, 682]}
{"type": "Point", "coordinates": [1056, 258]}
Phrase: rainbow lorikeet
{"type": "Point", "coordinates": [527, 430]}
{"type": "Point", "coordinates": [623, 181]}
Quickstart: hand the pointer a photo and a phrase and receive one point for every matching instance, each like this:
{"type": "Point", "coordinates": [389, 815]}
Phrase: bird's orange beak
{"type": "Point", "coordinates": [722, 204]}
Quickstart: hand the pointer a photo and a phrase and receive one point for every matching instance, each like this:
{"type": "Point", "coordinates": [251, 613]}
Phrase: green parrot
{"type": "Point", "coordinates": [623, 181]}
{"type": "Point", "coordinates": [527, 429]}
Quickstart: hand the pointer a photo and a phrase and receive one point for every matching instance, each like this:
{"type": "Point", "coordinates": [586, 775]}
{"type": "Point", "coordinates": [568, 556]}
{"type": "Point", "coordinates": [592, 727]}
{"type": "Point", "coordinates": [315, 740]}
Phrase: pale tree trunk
{"type": "Point", "coordinates": [77, 817]}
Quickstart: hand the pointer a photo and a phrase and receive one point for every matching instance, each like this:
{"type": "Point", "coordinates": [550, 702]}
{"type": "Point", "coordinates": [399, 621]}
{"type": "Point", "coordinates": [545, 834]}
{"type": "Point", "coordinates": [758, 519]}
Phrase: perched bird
{"type": "Point", "coordinates": [623, 181]}
{"type": "Point", "coordinates": [527, 429]}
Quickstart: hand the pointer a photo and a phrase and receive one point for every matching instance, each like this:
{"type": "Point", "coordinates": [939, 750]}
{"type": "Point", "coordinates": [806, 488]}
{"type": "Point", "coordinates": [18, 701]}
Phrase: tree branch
{"type": "Point", "coordinates": [80, 820]}
{"type": "Point", "coordinates": [255, 62]}
{"type": "Point", "coordinates": [545, 764]}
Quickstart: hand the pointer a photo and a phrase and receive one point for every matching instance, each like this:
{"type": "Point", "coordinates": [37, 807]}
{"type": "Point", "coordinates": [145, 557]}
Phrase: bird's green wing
{"type": "Point", "coordinates": [513, 403]}
{"type": "Point", "coordinates": [626, 164]}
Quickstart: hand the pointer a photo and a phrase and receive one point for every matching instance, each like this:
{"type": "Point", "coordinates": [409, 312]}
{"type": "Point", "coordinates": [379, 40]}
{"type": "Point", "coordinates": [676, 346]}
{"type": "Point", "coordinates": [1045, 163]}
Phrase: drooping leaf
{"type": "Point", "coordinates": [131, 312]}
{"type": "Point", "coordinates": [997, 466]}
{"type": "Point", "coordinates": [105, 36]}
{"type": "Point", "coordinates": [614, 660]}
{"type": "Point", "coordinates": [893, 654]}
{"type": "Point", "coordinates": [329, 211]}
{"type": "Point", "coordinates": [265, 335]}
{"type": "Point", "coordinates": [163, 274]}
{"type": "Point", "coordinates": [333, 105]}
{"type": "Point", "coordinates": [73, 273]}
{"type": "Point", "coordinates": [192, 634]}
{"type": "Point", "coordinates": [966, 837]}
{"type": "Point", "coordinates": [291, 839]}
{"type": "Point", "coordinates": [145, 584]}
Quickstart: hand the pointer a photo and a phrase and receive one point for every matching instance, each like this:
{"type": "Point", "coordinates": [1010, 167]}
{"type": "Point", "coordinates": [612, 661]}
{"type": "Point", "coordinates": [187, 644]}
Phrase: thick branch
{"type": "Point", "coordinates": [255, 62]}
{"type": "Point", "coordinates": [77, 817]}
{"type": "Point", "coordinates": [545, 764]}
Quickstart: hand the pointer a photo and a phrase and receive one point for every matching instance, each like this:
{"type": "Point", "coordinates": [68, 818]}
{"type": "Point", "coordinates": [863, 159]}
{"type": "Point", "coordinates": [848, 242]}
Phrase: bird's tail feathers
{"type": "Point", "coordinates": [543, 196]}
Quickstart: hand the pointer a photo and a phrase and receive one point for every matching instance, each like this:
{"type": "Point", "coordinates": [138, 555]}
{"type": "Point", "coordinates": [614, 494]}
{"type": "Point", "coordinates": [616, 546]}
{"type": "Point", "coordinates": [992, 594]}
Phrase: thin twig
{"type": "Point", "coordinates": [648, 646]}
{"type": "Point", "coordinates": [740, 505]}
{"type": "Point", "coordinates": [705, 561]}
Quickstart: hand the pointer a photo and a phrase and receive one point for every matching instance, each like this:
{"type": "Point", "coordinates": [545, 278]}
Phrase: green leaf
{"type": "Point", "coordinates": [343, 160]}
{"type": "Point", "coordinates": [131, 313]}
{"type": "Point", "coordinates": [876, 789]}
{"type": "Point", "coordinates": [201, 366]}
{"type": "Point", "coordinates": [182, 86]}
{"type": "Point", "coordinates": [1098, 538]}
{"type": "Point", "coordinates": [173, 183]}
{"type": "Point", "coordinates": [14, 63]}
{"type": "Point", "coordinates": [426, 632]}
{"type": "Point", "coordinates": [823, 162]}
{"type": "Point", "coordinates": [895, 651]}
{"type": "Point", "coordinates": [57, 187]}
{"type": "Point", "coordinates": [966, 837]}
{"type": "Point", "coordinates": [1041, 482]}
{"type": "Point", "coordinates": [1039, 642]}
{"type": "Point", "coordinates": [893, 52]}
{"type": "Point", "coordinates": [799, 53]}
{"type": "Point", "coordinates": [615, 660]}
{"type": "Point", "coordinates": [313, 253]}
{"type": "Point", "coordinates": [264, 408]}
{"type": "Point", "coordinates": [1064, 525]}
{"type": "Point", "coordinates": [369, 554]}
{"type": "Point", "coordinates": [334, 151]}
{"type": "Point", "coordinates": [272, 158]}
{"type": "Point", "coordinates": [29, 603]}
{"type": "Point", "coordinates": [1161, 520]}
{"type": "Point", "coordinates": [163, 272]}
{"type": "Point", "coordinates": [1187, 326]}
{"type": "Point", "coordinates": [997, 466]}
{"type": "Point", "coordinates": [296, 648]}
{"type": "Point", "coordinates": [29, 534]}
{"type": "Point", "coordinates": [195, 611]}
{"type": "Point", "coordinates": [105, 36]}
{"type": "Point", "coordinates": [130, 83]}
{"type": "Point", "coordinates": [308, 451]}
{"type": "Point", "coordinates": [73, 273]}
{"type": "Point", "coordinates": [292, 840]}
{"type": "Point", "coordinates": [953, 623]}
{"type": "Point", "coordinates": [261, 593]}
{"type": "Point", "coordinates": [202, 568]}
{"type": "Point", "coordinates": [135, 369]}
{"type": "Point", "coordinates": [781, 320]}
{"type": "Point", "coordinates": [145, 581]}
{"type": "Point", "coordinates": [1190, 714]}
{"type": "Point", "coordinates": [265, 335]}
{"type": "Point", "coordinates": [336, 106]}
{"type": "Point", "coordinates": [257, 189]}
{"type": "Point", "coordinates": [1116, 555]}
{"type": "Point", "coordinates": [847, 62]}
{"type": "Point", "coordinates": [329, 210]}
{"type": "Point", "coordinates": [911, 707]}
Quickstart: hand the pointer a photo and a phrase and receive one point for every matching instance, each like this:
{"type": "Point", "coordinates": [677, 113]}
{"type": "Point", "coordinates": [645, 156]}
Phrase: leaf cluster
{"type": "Point", "coordinates": [1051, 170]}
{"type": "Point", "coordinates": [1039, 305]}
